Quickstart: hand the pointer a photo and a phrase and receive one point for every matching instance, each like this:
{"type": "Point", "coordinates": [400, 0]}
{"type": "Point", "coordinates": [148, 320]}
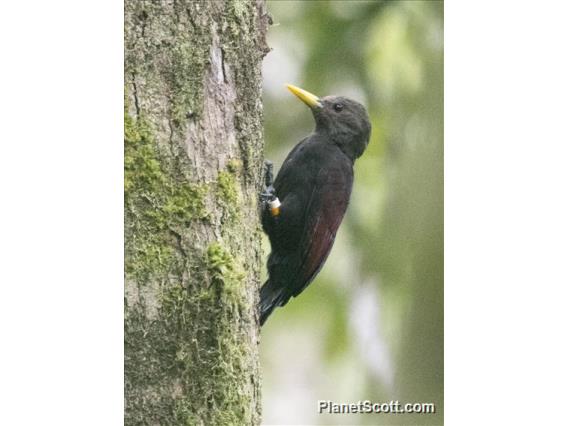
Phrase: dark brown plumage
{"type": "Point", "coordinates": [313, 186]}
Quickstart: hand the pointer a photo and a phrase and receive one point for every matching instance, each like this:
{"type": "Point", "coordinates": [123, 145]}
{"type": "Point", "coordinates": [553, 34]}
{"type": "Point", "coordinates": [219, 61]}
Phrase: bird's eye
{"type": "Point", "coordinates": [338, 107]}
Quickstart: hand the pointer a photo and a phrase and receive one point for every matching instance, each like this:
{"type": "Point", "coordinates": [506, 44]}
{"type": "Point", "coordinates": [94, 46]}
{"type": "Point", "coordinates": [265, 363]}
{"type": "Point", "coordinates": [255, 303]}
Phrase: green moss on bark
{"type": "Point", "coordinates": [224, 271]}
{"type": "Point", "coordinates": [167, 53]}
{"type": "Point", "coordinates": [189, 60]}
{"type": "Point", "coordinates": [240, 42]}
{"type": "Point", "coordinates": [191, 228]}
{"type": "Point", "coordinates": [227, 192]}
{"type": "Point", "coordinates": [177, 347]}
{"type": "Point", "coordinates": [157, 203]}
{"type": "Point", "coordinates": [193, 348]}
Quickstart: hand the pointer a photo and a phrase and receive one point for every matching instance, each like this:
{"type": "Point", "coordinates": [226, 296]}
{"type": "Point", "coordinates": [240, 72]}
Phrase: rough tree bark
{"type": "Point", "coordinates": [193, 171]}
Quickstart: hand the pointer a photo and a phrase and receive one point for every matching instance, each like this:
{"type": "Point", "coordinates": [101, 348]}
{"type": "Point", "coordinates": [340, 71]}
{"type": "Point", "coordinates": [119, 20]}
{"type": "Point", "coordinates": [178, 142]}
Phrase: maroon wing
{"type": "Point", "coordinates": [324, 214]}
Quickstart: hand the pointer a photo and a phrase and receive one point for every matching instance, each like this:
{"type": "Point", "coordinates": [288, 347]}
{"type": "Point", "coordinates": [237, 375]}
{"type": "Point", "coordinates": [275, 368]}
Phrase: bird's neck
{"type": "Point", "coordinates": [341, 140]}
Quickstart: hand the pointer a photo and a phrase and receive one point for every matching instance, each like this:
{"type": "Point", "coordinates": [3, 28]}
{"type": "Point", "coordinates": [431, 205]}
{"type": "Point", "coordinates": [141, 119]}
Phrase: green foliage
{"type": "Point", "coordinates": [389, 249]}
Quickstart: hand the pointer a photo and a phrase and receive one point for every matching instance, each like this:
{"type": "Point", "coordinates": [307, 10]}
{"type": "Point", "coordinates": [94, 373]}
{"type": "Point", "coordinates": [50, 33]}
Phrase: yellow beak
{"type": "Point", "coordinates": [306, 97]}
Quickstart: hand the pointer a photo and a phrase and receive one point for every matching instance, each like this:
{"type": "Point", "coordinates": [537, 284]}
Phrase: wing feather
{"type": "Point", "coordinates": [325, 212]}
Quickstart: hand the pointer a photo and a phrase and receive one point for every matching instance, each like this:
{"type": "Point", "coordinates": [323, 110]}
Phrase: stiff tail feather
{"type": "Point", "coordinates": [270, 298]}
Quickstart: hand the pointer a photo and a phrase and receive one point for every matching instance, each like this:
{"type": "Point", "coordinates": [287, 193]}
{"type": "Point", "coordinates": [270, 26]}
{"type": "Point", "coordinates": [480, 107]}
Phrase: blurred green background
{"type": "Point", "coordinates": [370, 327]}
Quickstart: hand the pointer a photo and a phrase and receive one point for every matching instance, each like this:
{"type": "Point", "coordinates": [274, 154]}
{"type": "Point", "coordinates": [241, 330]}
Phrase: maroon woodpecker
{"type": "Point", "coordinates": [303, 208]}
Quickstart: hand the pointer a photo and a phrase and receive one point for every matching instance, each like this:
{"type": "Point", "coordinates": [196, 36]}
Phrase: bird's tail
{"type": "Point", "coordinates": [270, 298]}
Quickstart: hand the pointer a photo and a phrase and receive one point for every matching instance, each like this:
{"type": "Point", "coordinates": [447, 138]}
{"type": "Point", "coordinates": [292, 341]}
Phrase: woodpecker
{"type": "Point", "coordinates": [304, 206]}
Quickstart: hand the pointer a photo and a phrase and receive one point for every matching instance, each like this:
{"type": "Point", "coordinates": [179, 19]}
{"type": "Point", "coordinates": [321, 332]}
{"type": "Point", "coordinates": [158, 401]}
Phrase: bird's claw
{"type": "Point", "coordinates": [268, 176]}
{"type": "Point", "coordinates": [269, 194]}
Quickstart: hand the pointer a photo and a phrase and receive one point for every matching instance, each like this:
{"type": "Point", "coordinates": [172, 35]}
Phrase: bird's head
{"type": "Point", "coordinates": [342, 120]}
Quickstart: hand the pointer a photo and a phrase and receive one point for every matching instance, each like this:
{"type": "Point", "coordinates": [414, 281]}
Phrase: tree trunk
{"type": "Point", "coordinates": [193, 171]}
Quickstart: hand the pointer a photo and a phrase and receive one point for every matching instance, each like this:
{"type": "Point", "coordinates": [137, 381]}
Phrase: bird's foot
{"type": "Point", "coordinates": [269, 194]}
{"type": "Point", "coordinates": [268, 197]}
{"type": "Point", "coordinates": [268, 176]}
